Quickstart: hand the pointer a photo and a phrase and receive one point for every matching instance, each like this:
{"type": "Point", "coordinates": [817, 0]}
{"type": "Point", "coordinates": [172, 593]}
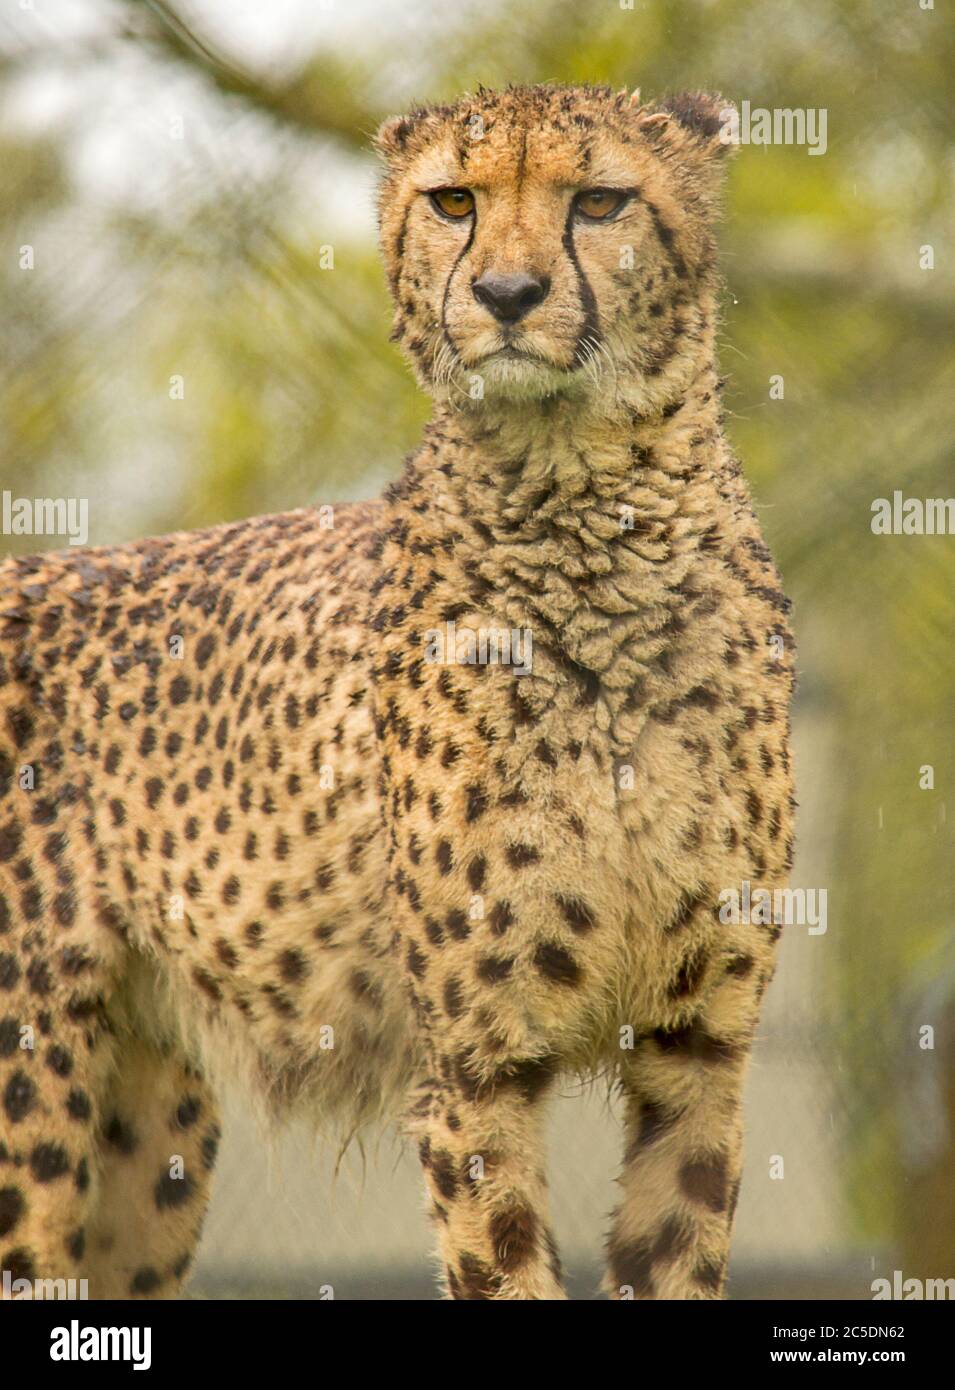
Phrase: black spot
{"type": "Point", "coordinates": [78, 1105]}
{"type": "Point", "coordinates": [706, 1180]}
{"type": "Point", "coordinates": [120, 1135]}
{"type": "Point", "coordinates": [501, 917]}
{"type": "Point", "coordinates": [39, 978]}
{"type": "Point", "coordinates": [19, 1097]}
{"type": "Point", "coordinates": [694, 1044]}
{"type": "Point", "coordinates": [672, 1239]}
{"type": "Point", "coordinates": [19, 1264]}
{"type": "Point", "coordinates": [476, 1281]}
{"type": "Point", "coordinates": [443, 1174]}
{"type": "Point", "coordinates": [513, 1233]}
{"type": "Point", "coordinates": [417, 960]}
{"type": "Point", "coordinates": [145, 1280]}
{"type": "Point", "coordinates": [493, 969]}
{"type": "Point", "coordinates": [187, 1112]}
{"type": "Point", "coordinates": [48, 1162]}
{"type": "Point", "coordinates": [227, 953]}
{"type": "Point", "coordinates": [545, 753]}
{"type": "Point", "coordinates": [9, 1036]}
{"type": "Point", "coordinates": [740, 966]}
{"type": "Point", "coordinates": [10, 837]}
{"type": "Point", "coordinates": [529, 1076]}
{"type": "Point", "coordinates": [173, 1192]}
{"type": "Point", "coordinates": [364, 987]}
{"type": "Point", "coordinates": [64, 909]}
{"type": "Point", "coordinates": [556, 964]}
{"type": "Point", "coordinates": [210, 1147]}
{"type": "Point", "coordinates": [293, 966]}
{"type": "Point", "coordinates": [9, 971]}
{"type": "Point", "coordinates": [631, 1266]}
{"type": "Point", "coordinates": [655, 1121]}
{"type": "Point", "coordinates": [12, 1207]}
{"type": "Point", "coordinates": [457, 924]}
{"type": "Point", "coordinates": [690, 974]}
{"type": "Point", "coordinates": [578, 915]}
{"type": "Point", "coordinates": [520, 855]}
{"type": "Point", "coordinates": [453, 1003]}
{"type": "Point", "coordinates": [21, 726]}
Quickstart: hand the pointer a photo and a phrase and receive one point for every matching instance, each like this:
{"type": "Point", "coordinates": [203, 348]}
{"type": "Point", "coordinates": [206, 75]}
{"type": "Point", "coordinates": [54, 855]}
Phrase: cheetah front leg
{"type": "Point", "coordinates": [482, 1150]}
{"type": "Point", "coordinates": [156, 1149]}
{"type": "Point", "coordinates": [683, 1096]}
{"type": "Point", "coordinates": [56, 1055]}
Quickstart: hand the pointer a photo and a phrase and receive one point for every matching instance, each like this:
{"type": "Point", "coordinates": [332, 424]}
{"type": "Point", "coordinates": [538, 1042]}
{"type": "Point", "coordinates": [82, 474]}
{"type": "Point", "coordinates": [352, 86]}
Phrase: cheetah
{"type": "Point", "coordinates": [405, 810]}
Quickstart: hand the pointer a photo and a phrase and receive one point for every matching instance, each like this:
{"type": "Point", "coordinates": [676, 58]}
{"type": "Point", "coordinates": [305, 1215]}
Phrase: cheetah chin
{"type": "Point", "coordinates": [516, 378]}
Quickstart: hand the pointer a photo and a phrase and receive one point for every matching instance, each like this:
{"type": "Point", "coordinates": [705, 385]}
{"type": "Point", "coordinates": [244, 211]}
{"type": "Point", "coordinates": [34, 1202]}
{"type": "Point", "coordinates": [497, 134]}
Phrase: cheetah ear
{"type": "Point", "coordinates": [393, 134]}
{"type": "Point", "coordinates": [696, 122]}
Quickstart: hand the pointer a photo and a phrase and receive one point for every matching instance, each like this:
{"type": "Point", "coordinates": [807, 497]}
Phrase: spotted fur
{"type": "Point", "coordinates": [268, 836]}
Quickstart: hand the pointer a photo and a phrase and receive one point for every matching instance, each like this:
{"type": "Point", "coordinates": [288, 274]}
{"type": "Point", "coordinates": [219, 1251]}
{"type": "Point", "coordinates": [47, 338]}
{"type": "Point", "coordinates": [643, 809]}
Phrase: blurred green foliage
{"type": "Point", "coordinates": [293, 395]}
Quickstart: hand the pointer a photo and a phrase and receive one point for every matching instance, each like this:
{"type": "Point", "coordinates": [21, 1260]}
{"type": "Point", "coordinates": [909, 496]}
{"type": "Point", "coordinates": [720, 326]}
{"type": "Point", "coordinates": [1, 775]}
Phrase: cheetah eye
{"type": "Point", "coordinates": [600, 204]}
{"type": "Point", "coordinates": [453, 202]}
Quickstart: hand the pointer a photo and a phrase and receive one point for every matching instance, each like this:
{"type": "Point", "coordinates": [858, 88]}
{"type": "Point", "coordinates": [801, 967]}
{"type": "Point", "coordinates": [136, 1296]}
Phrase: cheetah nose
{"type": "Point", "coordinates": [510, 297]}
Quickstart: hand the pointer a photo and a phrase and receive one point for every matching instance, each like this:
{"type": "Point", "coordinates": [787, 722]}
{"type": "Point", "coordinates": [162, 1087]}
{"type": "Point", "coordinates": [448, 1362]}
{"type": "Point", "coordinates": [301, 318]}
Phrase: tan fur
{"type": "Point", "coordinates": [479, 881]}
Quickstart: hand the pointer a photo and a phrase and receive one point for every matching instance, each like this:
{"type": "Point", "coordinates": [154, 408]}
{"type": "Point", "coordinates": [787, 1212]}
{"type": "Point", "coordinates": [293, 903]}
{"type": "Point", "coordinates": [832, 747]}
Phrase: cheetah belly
{"type": "Point", "coordinates": [280, 957]}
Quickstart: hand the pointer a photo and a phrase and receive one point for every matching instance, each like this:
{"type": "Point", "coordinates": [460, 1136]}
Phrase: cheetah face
{"type": "Point", "coordinates": [546, 241]}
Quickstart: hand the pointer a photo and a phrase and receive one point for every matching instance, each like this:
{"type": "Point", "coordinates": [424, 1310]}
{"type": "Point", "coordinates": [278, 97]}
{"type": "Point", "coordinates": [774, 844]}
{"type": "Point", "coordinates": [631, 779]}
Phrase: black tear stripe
{"type": "Point", "coordinates": [589, 335]}
{"type": "Point", "coordinates": [667, 239]}
{"type": "Point", "coordinates": [447, 288]}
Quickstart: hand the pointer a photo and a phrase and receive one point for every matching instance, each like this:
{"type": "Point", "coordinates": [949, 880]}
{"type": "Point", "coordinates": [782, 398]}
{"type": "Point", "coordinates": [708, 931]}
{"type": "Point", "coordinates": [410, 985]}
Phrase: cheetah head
{"type": "Point", "coordinates": [547, 241]}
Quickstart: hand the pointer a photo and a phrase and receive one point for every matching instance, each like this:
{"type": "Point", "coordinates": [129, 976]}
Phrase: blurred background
{"type": "Point", "coordinates": [195, 181]}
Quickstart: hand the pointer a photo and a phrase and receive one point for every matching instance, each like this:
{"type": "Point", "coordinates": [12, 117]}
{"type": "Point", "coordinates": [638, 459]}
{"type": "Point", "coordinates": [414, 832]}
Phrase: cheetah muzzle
{"type": "Point", "coordinates": [276, 800]}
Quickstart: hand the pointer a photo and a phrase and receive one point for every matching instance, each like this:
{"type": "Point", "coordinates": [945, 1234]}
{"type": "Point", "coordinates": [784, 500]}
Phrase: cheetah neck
{"type": "Point", "coordinates": [568, 483]}
{"type": "Point", "coordinates": [591, 533]}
